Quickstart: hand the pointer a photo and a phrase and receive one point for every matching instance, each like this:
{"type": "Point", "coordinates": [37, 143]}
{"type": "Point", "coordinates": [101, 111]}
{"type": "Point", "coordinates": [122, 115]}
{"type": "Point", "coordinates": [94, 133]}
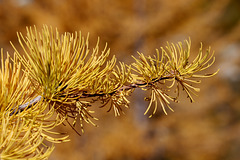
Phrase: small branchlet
{"type": "Point", "coordinates": [63, 80]}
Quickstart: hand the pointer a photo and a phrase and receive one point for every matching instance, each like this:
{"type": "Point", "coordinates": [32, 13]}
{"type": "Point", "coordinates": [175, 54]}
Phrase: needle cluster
{"type": "Point", "coordinates": [56, 79]}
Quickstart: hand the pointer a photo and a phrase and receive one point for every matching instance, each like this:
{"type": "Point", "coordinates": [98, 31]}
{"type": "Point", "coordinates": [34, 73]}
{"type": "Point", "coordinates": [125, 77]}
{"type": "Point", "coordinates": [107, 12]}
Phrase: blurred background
{"type": "Point", "coordinates": [208, 129]}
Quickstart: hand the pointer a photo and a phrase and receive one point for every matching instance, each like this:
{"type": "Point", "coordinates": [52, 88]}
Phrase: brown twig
{"type": "Point", "coordinates": [88, 95]}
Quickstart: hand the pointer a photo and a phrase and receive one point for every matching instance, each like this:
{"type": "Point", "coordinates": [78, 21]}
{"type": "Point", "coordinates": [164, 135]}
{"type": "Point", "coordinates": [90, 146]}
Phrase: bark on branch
{"type": "Point", "coordinates": [88, 95]}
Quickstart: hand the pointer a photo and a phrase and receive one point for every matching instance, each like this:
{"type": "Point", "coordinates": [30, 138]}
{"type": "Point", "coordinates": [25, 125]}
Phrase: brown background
{"type": "Point", "coordinates": [208, 129]}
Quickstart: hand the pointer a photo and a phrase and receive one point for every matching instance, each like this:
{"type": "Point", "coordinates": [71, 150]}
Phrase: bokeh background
{"type": "Point", "coordinates": [208, 129]}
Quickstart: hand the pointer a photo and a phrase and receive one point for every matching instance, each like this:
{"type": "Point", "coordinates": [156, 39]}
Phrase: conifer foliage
{"type": "Point", "coordinates": [56, 78]}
